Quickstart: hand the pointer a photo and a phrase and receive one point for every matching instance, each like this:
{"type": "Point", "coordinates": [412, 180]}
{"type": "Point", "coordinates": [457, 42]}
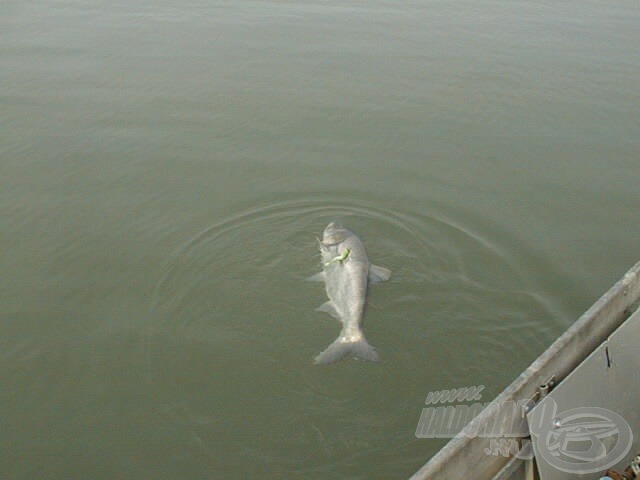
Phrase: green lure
{"type": "Point", "coordinates": [339, 258]}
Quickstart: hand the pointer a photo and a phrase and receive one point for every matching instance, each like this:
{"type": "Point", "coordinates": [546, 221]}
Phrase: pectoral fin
{"type": "Point", "coordinates": [378, 274]}
{"type": "Point", "coordinates": [318, 277]}
{"type": "Point", "coordinates": [330, 308]}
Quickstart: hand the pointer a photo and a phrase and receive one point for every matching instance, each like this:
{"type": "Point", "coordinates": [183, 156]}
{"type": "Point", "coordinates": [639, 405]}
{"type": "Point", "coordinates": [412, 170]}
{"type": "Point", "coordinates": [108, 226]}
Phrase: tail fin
{"type": "Point", "coordinates": [342, 347]}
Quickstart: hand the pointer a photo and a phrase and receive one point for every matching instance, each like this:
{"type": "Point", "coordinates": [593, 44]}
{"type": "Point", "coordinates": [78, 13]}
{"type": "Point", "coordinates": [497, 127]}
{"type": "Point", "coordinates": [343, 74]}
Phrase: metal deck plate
{"type": "Point", "coordinates": [580, 430]}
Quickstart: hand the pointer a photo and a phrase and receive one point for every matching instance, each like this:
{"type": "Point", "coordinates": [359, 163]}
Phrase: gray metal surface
{"type": "Point", "coordinates": [515, 469]}
{"type": "Point", "coordinates": [465, 457]}
{"type": "Point", "coordinates": [608, 379]}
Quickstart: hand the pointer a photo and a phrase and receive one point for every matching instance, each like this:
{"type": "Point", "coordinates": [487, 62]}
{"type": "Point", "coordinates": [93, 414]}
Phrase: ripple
{"type": "Point", "coordinates": [233, 319]}
{"type": "Point", "coordinates": [233, 280]}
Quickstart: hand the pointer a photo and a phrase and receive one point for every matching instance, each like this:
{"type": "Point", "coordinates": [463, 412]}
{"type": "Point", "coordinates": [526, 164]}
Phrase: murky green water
{"type": "Point", "coordinates": [166, 166]}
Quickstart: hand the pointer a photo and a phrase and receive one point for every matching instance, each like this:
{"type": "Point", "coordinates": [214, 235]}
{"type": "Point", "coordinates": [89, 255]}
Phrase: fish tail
{"type": "Point", "coordinates": [341, 347]}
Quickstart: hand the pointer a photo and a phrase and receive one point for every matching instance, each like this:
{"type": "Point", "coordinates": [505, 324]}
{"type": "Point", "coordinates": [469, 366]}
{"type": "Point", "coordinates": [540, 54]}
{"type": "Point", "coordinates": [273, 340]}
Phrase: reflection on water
{"type": "Point", "coordinates": [166, 169]}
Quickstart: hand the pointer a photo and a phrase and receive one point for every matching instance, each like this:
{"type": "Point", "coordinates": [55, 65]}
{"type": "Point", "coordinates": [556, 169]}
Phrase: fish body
{"type": "Point", "coordinates": [346, 275]}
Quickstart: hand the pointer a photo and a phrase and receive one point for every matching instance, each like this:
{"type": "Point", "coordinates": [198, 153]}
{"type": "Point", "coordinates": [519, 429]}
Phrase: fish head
{"type": "Point", "coordinates": [334, 233]}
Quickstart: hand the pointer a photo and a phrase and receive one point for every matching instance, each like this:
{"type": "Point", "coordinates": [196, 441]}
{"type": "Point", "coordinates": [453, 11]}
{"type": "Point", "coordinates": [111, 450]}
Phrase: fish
{"type": "Point", "coordinates": [346, 274]}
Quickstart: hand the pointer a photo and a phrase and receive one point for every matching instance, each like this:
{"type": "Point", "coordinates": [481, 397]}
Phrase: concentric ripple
{"type": "Point", "coordinates": [234, 331]}
{"type": "Point", "coordinates": [239, 280]}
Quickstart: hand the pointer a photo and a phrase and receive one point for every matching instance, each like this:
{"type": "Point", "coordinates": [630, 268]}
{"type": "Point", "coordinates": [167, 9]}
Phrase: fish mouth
{"type": "Point", "coordinates": [333, 226]}
{"type": "Point", "coordinates": [333, 233]}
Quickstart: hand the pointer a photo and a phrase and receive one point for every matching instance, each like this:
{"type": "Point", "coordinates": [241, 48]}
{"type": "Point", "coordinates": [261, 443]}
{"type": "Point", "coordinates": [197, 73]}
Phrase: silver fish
{"type": "Point", "coordinates": [346, 274]}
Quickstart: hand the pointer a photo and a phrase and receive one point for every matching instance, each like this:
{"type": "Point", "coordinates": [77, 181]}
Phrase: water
{"type": "Point", "coordinates": [165, 168]}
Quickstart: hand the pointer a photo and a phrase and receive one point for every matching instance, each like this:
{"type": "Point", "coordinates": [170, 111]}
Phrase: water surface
{"type": "Point", "coordinates": [165, 168]}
